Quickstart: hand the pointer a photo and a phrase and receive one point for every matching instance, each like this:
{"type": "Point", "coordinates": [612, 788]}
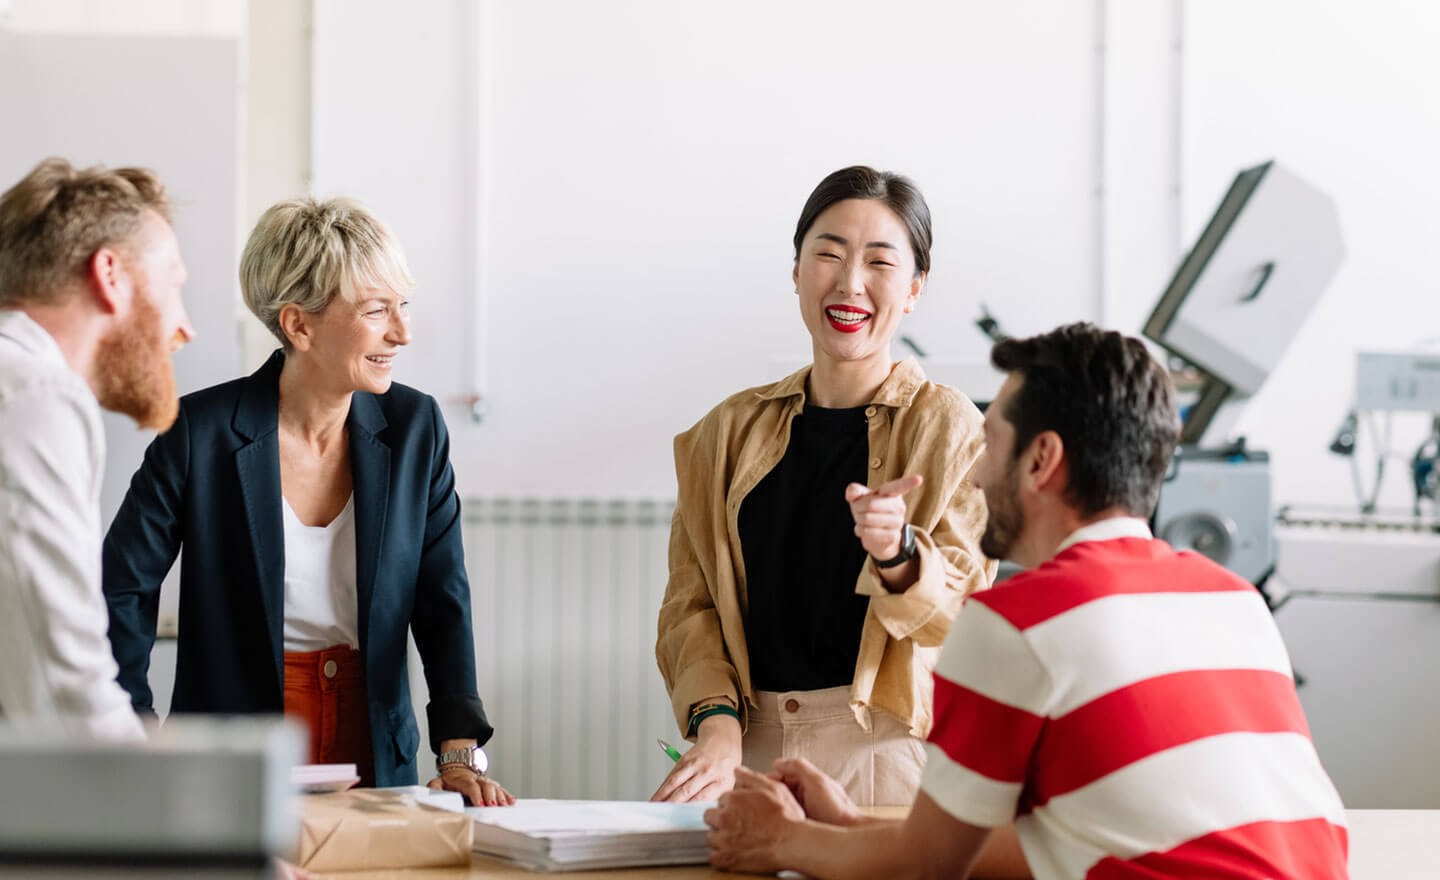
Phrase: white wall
{"type": "Point", "coordinates": [640, 166]}
{"type": "Point", "coordinates": [277, 128]}
{"type": "Point", "coordinates": [617, 182]}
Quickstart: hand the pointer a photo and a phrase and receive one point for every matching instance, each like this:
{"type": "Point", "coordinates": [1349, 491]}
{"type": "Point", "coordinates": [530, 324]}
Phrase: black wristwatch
{"type": "Point", "coordinates": [907, 550]}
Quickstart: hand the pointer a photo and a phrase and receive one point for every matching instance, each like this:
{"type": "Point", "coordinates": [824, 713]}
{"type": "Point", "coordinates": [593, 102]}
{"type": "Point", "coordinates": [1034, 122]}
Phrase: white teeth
{"type": "Point", "coordinates": [846, 317]}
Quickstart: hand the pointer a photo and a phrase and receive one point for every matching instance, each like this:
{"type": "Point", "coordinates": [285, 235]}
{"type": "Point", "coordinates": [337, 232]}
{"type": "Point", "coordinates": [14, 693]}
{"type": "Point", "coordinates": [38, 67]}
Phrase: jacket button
{"type": "Point", "coordinates": [870, 412]}
{"type": "Point", "coordinates": [792, 705]}
{"type": "Point", "coordinates": [330, 669]}
{"type": "Point", "coordinates": [875, 463]}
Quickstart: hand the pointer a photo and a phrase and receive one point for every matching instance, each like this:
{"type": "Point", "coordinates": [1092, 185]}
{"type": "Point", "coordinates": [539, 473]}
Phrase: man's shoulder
{"type": "Point", "coordinates": [34, 393]}
{"type": "Point", "coordinates": [23, 372]}
{"type": "Point", "coordinates": [51, 424]}
{"type": "Point", "coordinates": [1094, 570]}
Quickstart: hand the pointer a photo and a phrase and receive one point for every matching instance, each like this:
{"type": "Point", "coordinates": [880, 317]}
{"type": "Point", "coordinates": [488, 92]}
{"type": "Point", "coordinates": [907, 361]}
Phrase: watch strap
{"type": "Point", "coordinates": [907, 549]}
{"type": "Point", "coordinates": [469, 756]}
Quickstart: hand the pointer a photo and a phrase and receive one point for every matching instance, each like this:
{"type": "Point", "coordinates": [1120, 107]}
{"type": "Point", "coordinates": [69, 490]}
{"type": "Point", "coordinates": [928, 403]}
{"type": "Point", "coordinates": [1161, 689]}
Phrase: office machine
{"type": "Point", "coordinates": [1397, 381]}
{"type": "Point", "coordinates": [1387, 383]}
{"type": "Point", "coordinates": [1217, 503]}
{"type": "Point", "coordinates": [201, 797]}
{"type": "Point", "coordinates": [1231, 310]}
{"type": "Point", "coordinates": [1364, 608]}
{"type": "Point", "coordinates": [1355, 591]}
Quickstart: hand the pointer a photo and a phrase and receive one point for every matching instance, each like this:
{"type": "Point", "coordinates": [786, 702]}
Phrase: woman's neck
{"type": "Point", "coordinates": [307, 411]}
{"type": "Point", "coordinates": [842, 384]}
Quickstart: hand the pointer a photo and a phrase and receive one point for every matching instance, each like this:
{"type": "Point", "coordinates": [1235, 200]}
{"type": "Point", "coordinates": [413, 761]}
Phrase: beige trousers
{"type": "Point", "coordinates": [878, 767]}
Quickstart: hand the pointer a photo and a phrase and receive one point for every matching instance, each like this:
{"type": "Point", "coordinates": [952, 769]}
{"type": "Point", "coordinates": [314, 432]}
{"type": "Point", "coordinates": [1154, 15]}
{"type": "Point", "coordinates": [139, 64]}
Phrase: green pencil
{"type": "Point", "coordinates": [668, 749]}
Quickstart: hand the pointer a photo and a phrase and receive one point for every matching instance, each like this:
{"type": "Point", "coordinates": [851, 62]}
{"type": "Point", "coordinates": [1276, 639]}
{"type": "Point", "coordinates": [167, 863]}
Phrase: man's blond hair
{"type": "Point", "coordinates": [305, 252]}
{"type": "Point", "coordinates": [54, 220]}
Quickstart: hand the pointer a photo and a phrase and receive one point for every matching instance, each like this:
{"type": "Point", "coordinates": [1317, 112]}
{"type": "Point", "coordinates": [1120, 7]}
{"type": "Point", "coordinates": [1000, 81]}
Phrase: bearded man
{"type": "Point", "coordinates": [90, 314]}
{"type": "Point", "coordinates": [1118, 710]}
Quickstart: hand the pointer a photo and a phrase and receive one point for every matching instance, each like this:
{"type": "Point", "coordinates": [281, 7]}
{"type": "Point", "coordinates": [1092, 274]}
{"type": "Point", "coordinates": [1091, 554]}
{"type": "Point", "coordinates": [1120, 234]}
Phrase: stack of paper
{"type": "Point", "coordinates": [546, 835]}
{"type": "Point", "coordinates": [320, 778]}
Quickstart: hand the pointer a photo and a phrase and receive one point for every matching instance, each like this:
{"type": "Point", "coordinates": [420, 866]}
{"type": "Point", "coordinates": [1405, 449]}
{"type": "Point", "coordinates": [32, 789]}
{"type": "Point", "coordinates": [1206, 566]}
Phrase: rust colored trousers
{"type": "Point", "coordinates": [326, 690]}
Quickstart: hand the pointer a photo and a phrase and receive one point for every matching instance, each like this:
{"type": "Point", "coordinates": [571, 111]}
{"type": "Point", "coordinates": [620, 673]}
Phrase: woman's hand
{"type": "Point", "coordinates": [480, 791]}
{"type": "Point", "coordinates": [880, 517]}
{"type": "Point", "coordinates": [820, 797]}
{"type": "Point", "coordinates": [707, 770]}
{"type": "Point", "coordinates": [880, 514]}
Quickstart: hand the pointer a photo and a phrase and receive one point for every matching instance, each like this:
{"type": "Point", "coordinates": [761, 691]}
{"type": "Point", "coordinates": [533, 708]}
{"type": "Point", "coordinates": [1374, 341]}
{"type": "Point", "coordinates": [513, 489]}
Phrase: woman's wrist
{"type": "Point", "coordinates": [900, 578]}
{"type": "Point", "coordinates": [719, 730]}
{"type": "Point", "coordinates": [706, 709]}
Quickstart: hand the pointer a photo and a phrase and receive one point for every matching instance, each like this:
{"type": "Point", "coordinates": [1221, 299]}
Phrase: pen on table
{"type": "Point", "coordinates": [668, 749]}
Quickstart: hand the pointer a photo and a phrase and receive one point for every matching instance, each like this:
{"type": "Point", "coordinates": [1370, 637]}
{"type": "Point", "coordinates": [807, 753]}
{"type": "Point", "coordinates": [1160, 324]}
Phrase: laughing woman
{"type": "Point", "coordinates": [316, 507]}
{"type": "Point", "coordinates": [827, 528]}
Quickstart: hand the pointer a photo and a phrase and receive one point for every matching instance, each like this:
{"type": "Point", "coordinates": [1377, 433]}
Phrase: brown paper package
{"type": "Point", "coordinates": [376, 828]}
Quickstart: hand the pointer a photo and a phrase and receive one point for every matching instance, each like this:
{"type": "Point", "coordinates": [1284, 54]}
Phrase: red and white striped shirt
{"type": "Point", "coordinates": [1133, 710]}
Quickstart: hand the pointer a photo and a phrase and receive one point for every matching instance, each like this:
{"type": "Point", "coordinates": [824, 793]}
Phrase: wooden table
{"type": "Point", "coordinates": [1384, 845]}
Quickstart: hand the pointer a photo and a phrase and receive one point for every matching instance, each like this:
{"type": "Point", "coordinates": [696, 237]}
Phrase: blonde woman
{"type": "Point", "coordinates": [316, 508]}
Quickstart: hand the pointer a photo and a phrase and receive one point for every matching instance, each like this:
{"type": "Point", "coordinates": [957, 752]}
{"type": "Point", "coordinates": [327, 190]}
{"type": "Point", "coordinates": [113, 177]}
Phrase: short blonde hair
{"type": "Point", "coordinates": [55, 219]}
{"type": "Point", "coordinates": [304, 252]}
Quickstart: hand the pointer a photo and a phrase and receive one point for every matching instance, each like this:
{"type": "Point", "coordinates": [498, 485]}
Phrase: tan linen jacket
{"type": "Point", "coordinates": [916, 426]}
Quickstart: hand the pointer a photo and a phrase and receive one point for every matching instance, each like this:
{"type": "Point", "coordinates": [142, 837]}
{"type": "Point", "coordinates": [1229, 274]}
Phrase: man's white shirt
{"type": "Point", "coordinates": [56, 666]}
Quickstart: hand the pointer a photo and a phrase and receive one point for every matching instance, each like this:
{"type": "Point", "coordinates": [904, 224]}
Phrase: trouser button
{"type": "Point", "coordinates": [792, 705]}
{"type": "Point", "coordinates": [330, 669]}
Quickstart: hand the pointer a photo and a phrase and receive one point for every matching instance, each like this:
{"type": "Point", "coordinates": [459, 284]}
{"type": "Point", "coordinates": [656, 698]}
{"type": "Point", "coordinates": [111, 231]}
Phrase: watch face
{"type": "Point", "coordinates": [480, 762]}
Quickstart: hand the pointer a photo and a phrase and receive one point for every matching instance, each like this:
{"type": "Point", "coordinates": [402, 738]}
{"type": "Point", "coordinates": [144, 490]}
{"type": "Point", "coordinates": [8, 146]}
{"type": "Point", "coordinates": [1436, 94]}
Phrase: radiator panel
{"type": "Point", "coordinates": [564, 598]}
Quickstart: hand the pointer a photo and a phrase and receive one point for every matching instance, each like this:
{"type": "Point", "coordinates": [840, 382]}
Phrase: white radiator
{"type": "Point", "coordinates": [564, 596]}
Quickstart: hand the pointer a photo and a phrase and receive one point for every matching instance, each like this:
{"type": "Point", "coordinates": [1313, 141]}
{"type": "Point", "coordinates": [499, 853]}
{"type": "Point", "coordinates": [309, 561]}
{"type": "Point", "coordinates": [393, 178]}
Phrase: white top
{"type": "Point", "coordinates": [56, 666]}
{"type": "Point", "coordinates": [320, 605]}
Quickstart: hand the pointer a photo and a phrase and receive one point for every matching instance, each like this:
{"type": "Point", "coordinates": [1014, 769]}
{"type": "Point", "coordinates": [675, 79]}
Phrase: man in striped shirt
{"type": "Point", "coordinates": [1130, 709]}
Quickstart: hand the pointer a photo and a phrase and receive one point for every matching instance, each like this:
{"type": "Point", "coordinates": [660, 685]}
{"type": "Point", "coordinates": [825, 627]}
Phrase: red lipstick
{"type": "Point", "coordinates": [847, 319]}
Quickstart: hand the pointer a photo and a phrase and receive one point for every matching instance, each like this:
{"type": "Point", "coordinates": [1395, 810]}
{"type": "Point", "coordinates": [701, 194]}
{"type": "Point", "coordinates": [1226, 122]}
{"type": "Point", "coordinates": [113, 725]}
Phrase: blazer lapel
{"type": "Point", "coordinates": [370, 467]}
{"type": "Point", "coordinates": [257, 465]}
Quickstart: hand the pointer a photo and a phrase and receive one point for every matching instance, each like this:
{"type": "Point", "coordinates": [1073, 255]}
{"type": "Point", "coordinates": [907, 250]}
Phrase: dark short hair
{"type": "Point", "coordinates": [896, 191]}
{"type": "Point", "coordinates": [1112, 404]}
{"type": "Point", "coordinates": [55, 219]}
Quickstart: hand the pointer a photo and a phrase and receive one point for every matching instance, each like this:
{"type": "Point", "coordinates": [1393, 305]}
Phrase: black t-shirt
{"type": "Point", "coordinates": [802, 556]}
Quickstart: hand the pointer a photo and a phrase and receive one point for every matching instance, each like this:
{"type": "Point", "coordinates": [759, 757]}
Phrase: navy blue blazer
{"type": "Point", "coordinates": [211, 484]}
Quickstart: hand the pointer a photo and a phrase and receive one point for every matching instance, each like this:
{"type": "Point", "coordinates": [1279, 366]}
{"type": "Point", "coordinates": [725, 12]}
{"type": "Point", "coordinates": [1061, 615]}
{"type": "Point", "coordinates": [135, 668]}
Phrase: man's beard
{"type": "Point", "coordinates": [1004, 521]}
{"type": "Point", "coordinates": [134, 375]}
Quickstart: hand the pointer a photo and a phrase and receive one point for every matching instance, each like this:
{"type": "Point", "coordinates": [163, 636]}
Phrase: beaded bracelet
{"type": "Point", "coordinates": [700, 713]}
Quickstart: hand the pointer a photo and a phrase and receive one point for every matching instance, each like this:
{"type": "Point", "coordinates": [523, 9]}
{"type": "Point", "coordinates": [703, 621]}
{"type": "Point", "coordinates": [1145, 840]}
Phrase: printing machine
{"type": "Point", "coordinates": [1356, 593]}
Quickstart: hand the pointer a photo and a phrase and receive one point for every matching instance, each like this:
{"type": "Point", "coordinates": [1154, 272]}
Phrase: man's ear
{"type": "Point", "coordinates": [295, 324]}
{"type": "Point", "coordinates": [109, 280]}
{"type": "Point", "coordinates": [1045, 464]}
